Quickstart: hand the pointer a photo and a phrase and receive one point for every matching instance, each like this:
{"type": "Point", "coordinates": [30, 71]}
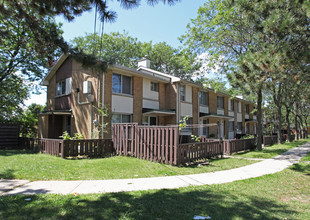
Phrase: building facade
{"type": "Point", "coordinates": [143, 96]}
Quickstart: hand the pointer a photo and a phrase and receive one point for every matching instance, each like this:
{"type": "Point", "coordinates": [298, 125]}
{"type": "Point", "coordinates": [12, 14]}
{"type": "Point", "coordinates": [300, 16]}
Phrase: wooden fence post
{"type": "Point", "coordinates": [222, 147]}
{"type": "Point", "coordinates": [62, 147]}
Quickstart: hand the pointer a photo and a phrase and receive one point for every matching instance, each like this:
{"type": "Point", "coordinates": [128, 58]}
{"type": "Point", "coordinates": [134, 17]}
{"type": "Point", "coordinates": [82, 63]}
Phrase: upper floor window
{"type": "Point", "coordinates": [220, 102]}
{"type": "Point", "coordinates": [154, 86]}
{"type": "Point", "coordinates": [182, 92]}
{"type": "Point", "coordinates": [247, 109]}
{"type": "Point", "coordinates": [121, 84]}
{"type": "Point", "coordinates": [64, 87]}
{"type": "Point", "coordinates": [232, 105]}
{"type": "Point", "coordinates": [203, 98]}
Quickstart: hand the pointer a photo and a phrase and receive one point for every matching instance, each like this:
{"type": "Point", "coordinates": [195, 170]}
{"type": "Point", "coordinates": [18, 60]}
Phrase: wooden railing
{"type": "Point", "coordinates": [233, 146]}
{"type": "Point", "coordinates": [198, 151]}
{"type": "Point", "coordinates": [153, 143]}
{"type": "Point", "coordinates": [89, 148]}
{"type": "Point", "coordinates": [51, 146]}
{"type": "Point", "coordinates": [69, 148]}
{"type": "Point", "coordinates": [270, 140]}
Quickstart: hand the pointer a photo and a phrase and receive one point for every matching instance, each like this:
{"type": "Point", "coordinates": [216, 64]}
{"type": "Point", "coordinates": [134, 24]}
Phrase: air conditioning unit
{"type": "Point", "coordinates": [86, 87]}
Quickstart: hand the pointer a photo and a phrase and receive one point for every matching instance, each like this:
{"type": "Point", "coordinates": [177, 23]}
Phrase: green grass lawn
{"type": "Point", "coordinates": [284, 195]}
{"type": "Point", "coordinates": [23, 165]}
{"type": "Point", "coordinates": [272, 151]}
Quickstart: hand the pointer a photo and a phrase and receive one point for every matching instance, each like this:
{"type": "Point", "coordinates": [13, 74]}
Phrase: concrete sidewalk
{"type": "Point", "coordinates": [268, 166]}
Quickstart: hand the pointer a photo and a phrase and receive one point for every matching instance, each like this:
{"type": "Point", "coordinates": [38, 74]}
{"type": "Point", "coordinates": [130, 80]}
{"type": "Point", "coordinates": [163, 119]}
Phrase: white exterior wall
{"type": "Point", "coordinates": [220, 111]}
{"type": "Point", "coordinates": [147, 93]}
{"type": "Point", "coordinates": [188, 94]}
{"type": "Point", "coordinates": [186, 109]}
{"type": "Point", "coordinates": [246, 116]}
{"type": "Point", "coordinates": [150, 104]}
{"type": "Point", "coordinates": [239, 117]}
{"type": "Point", "coordinates": [122, 104]}
{"type": "Point", "coordinates": [204, 109]}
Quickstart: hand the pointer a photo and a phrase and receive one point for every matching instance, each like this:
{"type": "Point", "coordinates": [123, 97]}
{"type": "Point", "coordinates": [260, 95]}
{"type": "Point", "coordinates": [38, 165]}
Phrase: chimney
{"type": "Point", "coordinates": [144, 62]}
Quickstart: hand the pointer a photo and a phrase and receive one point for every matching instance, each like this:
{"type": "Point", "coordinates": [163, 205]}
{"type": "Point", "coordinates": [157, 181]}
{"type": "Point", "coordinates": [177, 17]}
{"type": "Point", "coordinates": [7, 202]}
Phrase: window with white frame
{"type": "Point", "coordinates": [64, 87]}
{"type": "Point", "coordinates": [203, 98]}
{"type": "Point", "coordinates": [154, 86]}
{"type": "Point", "coordinates": [232, 105]}
{"type": "Point", "coordinates": [121, 118]}
{"type": "Point", "coordinates": [182, 92]}
{"type": "Point", "coordinates": [121, 84]}
{"type": "Point", "coordinates": [220, 102]}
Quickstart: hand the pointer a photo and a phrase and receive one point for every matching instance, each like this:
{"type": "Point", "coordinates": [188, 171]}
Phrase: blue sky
{"type": "Point", "coordinates": [157, 24]}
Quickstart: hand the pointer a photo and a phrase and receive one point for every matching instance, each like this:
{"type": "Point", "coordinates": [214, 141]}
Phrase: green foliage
{"type": "Point", "coordinates": [28, 120]}
{"type": "Point", "coordinates": [100, 126]}
{"type": "Point", "coordinates": [122, 49]}
{"type": "Point", "coordinates": [248, 136]}
{"type": "Point", "coordinates": [66, 136]}
{"type": "Point", "coordinates": [183, 122]}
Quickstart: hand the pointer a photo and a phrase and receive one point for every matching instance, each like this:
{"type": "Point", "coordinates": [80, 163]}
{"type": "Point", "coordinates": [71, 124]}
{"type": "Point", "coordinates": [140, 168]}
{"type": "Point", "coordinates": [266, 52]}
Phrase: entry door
{"type": "Point", "coordinates": [153, 120]}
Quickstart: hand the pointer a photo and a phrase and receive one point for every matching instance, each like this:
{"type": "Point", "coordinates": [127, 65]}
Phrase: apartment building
{"type": "Point", "coordinates": [142, 95]}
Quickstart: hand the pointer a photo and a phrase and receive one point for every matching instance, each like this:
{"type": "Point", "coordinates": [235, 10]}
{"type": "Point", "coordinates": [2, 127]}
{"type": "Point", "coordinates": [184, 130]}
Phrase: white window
{"type": "Point", "coordinates": [203, 98]}
{"type": "Point", "coordinates": [182, 92]}
{"type": "Point", "coordinates": [232, 105]}
{"type": "Point", "coordinates": [154, 86]}
{"type": "Point", "coordinates": [121, 84]}
{"type": "Point", "coordinates": [220, 102]}
{"type": "Point", "coordinates": [121, 118]}
{"type": "Point", "coordinates": [64, 87]}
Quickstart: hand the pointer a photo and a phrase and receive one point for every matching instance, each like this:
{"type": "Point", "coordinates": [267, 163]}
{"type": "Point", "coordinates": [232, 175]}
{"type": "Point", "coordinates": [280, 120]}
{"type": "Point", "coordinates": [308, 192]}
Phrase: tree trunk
{"type": "Point", "coordinates": [296, 121]}
{"type": "Point", "coordinates": [279, 116]}
{"type": "Point", "coordinates": [259, 119]}
{"type": "Point", "coordinates": [287, 116]}
{"type": "Point", "coordinates": [302, 133]}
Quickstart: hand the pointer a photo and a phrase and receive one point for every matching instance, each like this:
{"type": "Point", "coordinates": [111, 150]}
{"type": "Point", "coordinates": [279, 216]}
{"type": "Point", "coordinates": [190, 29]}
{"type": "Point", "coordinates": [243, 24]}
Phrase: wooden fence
{"type": "Point", "coordinates": [153, 143]}
{"type": "Point", "coordinates": [9, 134]}
{"type": "Point", "coordinates": [69, 148]}
{"type": "Point", "coordinates": [198, 151]}
{"type": "Point", "coordinates": [270, 140]}
{"type": "Point", "coordinates": [233, 146]}
{"type": "Point", "coordinates": [87, 147]}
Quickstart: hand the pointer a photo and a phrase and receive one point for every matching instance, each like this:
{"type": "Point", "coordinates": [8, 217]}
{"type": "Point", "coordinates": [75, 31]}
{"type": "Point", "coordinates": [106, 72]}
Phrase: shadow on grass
{"type": "Point", "coordinates": [7, 174]}
{"type": "Point", "coordinates": [162, 204]}
{"type": "Point", "coordinates": [302, 168]}
{"type": "Point", "coordinates": [4, 152]}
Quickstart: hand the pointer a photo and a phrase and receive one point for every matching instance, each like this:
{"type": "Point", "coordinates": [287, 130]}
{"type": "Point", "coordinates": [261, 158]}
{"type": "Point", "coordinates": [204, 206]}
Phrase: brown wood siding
{"type": "Point", "coordinates": [63, 102]}
{"type": "Point", "coordinates": [64, 71]}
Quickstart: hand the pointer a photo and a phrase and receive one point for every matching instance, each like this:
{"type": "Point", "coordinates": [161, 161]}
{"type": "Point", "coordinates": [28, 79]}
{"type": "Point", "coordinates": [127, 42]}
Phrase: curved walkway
{"type": "Point", "coordinates": [268, 166]}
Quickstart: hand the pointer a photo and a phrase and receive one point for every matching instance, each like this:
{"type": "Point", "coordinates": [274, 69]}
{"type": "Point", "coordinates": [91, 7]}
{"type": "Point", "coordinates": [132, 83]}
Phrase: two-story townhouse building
{"type": "Point", "coordinates": [142, 95]}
